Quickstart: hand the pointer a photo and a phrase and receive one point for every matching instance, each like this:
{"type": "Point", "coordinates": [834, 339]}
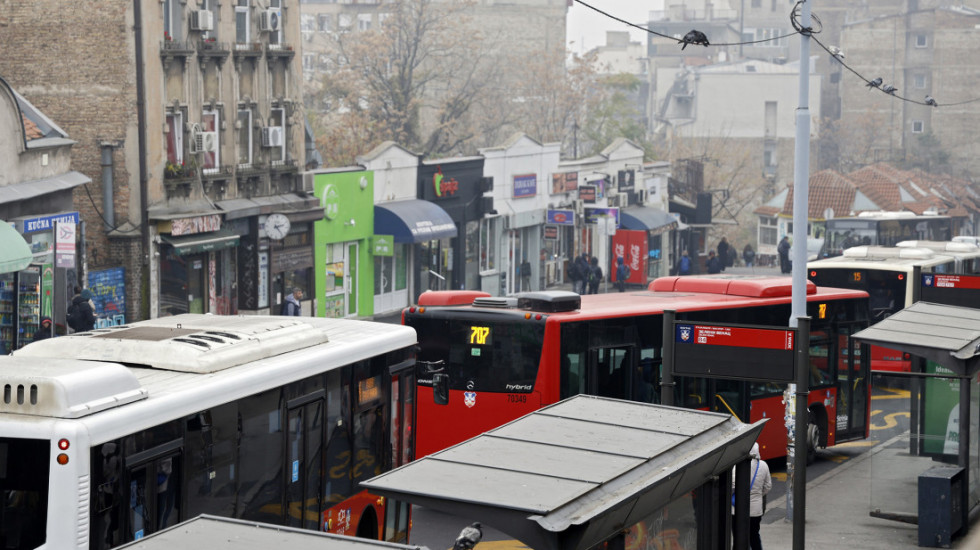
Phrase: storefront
{"type": "Point", "coordinates": [197, 266]}
{"type": "Point", "coordinates": [453, 260]}
{"type": "Point", "coordinates": [343, 267]}
{"type": "Point", "coordinates": [21, 294]}
{"type": "Point", "coordinates": [647, 227]}
{"type": "Point", "coordinates": [557, 245]}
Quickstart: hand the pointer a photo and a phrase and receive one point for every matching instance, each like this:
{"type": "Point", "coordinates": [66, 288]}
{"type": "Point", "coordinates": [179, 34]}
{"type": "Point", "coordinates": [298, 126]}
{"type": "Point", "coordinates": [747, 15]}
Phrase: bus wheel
{"type": "Point", "coordinates": [368, 527]}
{"type": "Point", "coordinates": [812, 441]}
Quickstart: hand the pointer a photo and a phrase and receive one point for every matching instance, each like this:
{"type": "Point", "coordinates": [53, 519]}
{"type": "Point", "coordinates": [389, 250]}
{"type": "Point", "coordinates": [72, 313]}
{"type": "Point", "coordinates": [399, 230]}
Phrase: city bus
{"type": "Point", "coordinates": [886, 273]}
{"type": "Point", "coordinates": [109, 435]}
{"type": "Point", "coordinates": [882, 229]}
{"type": "Point", "coordinates": [507, 356]}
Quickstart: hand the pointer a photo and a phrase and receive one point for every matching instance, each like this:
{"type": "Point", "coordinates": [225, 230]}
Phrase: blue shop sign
{"type": "Point", "coordinates": [33, 225]}
{"type": "Point", "coordinates": [525, 185]}
{"type": "Point", "coordinates": [561, 217]}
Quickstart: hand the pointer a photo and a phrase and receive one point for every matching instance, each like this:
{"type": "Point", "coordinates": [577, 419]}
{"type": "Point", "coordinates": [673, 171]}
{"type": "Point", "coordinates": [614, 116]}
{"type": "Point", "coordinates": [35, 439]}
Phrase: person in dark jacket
{"type": "Point", "coordinates": [714, 264]}
{"type": "Point", "coordinates": [44, 330]}
{"type": "Point", "coordinates": [81, 312]}
{"type": "Point", "coordinates": [622, 273]}
{"type": "Point", "coordinates": [291, 305]}
{"type": "Point", "coordinates": [579, 273]}
{"type": "Point", "coordinates": [595, 275]}
{"type": "Point", "coordinates": [748, 256]}
{"type": "Point", "coordinates": [785, 264]}
{"type": "Point", "coordinates": [723, 252]}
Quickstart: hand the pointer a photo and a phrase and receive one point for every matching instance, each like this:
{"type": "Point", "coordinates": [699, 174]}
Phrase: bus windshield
{"type": "Point", "coordinates": [24, 487]}
{"type": "Point", "coordinates": [886, 289]}
{"type": "Point", "coordinates": [487, 356]}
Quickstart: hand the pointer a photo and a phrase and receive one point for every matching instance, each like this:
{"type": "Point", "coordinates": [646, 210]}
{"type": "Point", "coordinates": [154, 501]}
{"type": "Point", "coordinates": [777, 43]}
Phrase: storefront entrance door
{"type": "Point", "coordinates": [340, 295]}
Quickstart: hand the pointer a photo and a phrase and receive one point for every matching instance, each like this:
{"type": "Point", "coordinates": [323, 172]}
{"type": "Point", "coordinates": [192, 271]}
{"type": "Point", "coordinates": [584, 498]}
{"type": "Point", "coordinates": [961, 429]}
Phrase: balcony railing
{"type": "Point", "coordinates": [213, 48]}
{"type": "Point", "coordinates": [248, 49]}
{"type": "Point", "coordinates": [280, 50]}
{"type": "Point", "coordinates": [288, 165]}
{"type": "Point", "coordinates": [169, 46]}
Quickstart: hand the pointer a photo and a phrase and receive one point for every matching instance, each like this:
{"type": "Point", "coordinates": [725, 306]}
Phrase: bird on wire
{"type": "Point", "coordinates": [468, 537]}
{"type": "Point", "coordinates": [889, 89]}
{"type": "Point", "coordinates": [931, 102]}
{"type": "Point", "coordinates": [835, 51]}
{"type": "Point", "coordinates": [876, 83]}
{"type": "Point", "coordinates": [695, 37]}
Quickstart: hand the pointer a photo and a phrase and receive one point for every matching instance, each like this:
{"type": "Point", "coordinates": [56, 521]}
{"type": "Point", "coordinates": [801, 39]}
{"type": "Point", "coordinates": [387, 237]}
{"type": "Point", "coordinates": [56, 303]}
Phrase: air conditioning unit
{"type": "Point", "coordinates": [206, 142]}
{"type": "Point", "coordinates": [202, 20]}
{"type": "Point", "coordinates": [269, 20]}
{"type": "Point", "coordinates": [272, 136]}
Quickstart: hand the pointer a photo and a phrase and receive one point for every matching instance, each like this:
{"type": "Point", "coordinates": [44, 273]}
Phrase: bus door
{"type": "Point", "coordinates": [304, 451]}
{"type": "Point", "coordinates": [402, 444]}
{"type": "Point", "coordinates": [610, 371]}
{"type": "Point", "coordinates": [852, 386]}
{"type": "Point", "coordinates": [154, 490]}
{"type": "Point", "coordinates": [729, 397]}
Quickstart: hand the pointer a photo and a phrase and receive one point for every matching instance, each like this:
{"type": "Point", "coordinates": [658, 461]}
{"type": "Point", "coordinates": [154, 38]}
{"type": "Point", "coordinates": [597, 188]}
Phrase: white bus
{"type": "Point", "coordinates": [113, 434]}
{"type": "Point", "coordinates": [885, 273]}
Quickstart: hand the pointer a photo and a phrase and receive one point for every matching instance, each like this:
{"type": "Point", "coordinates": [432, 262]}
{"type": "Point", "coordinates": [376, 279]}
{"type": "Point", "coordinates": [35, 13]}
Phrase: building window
{"type": "Point", "coordinates": [175, 138]}
{"type": "Point", "coordinates": [277, 119]}
{"type": "Point", "coordinates": [211, 6]}
{"type": "Point", "coordinates": [917, 126]}
{"type": "Point", "coordinates": [919, 81]}
{"type": "Point", "coordinates": [244, 137]}
{"type": "Point", "coordinates": [211, 122]}
{"type": "Point", "coordinates": [488, 245]}
{"type": "Point", "coordinates": [344, 22]}
{"type": "Point", "coordinates": [775, 38]}
{"type": "Point", "coordinates": [921, 41]}
{"type": "Point", "coordinates": [767, 231]}
{"type": "Point", "coordinates": [364, 21]}
{"type": "Point", "coordinates": [171, 19]}
{"type": "Point", "coordinates": [243, 20]}
{"type": "Point", "coordinates": [308, 62]}
{"type": "Point", "coordinates": [323, 23]}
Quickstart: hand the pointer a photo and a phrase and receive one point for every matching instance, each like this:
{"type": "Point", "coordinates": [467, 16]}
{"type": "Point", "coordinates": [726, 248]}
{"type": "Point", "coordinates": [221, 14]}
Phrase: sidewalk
{"type": "Point", "coordinates": [838, 504]}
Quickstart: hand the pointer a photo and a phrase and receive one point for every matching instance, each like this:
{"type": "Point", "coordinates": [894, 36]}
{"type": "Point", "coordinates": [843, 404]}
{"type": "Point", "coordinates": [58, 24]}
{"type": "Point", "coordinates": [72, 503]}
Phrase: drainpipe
{"type": "Point", "coordinates": [145, 291]}
{"type": "Point", "coordinates": [108, 211]}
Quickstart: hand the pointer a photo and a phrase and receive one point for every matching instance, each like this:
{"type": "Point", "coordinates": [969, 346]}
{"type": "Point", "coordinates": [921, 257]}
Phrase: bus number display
{"type": "Point", "coordinates": [856, 276]}
{"type": "Point", "coordinates": [479, 336]}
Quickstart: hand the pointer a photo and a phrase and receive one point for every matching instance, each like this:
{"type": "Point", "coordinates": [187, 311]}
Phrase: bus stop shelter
{"type": "Point", "coordinates": [218, 533]}
{"type": "Point", "coordinates": [948, 336]}
{"type": "Point", "coordinates": [583, 471]}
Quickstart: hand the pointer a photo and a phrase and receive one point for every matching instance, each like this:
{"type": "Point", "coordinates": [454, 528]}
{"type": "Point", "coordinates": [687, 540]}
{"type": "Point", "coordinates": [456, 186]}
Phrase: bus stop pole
{"type": "Point", "coordinates": [740, 529]}
{"type": "Point", "coordinates": [915, 383]}
{"type": "Point", "coordinates": [800, 431]}
{"type": "Point", "coordinates": [667, 365]}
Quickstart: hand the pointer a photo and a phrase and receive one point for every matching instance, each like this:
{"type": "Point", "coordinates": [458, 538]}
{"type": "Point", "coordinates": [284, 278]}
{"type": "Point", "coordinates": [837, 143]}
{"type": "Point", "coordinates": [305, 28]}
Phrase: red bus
{"type": "Point", "coordinates": [508, 356]}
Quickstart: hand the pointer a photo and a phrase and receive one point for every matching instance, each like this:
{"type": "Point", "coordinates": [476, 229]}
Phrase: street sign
{"type": "Point", "coordinates": [951, 290]}
{"type": "Point", "coordinates": [737, 352]}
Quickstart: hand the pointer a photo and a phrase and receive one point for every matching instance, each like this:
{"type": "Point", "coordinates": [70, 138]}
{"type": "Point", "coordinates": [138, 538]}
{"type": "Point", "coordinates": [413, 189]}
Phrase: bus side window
{"type": "Point", "coordinates": [572, 375]}
{"type": "Point", "coordinates": [645, 381]}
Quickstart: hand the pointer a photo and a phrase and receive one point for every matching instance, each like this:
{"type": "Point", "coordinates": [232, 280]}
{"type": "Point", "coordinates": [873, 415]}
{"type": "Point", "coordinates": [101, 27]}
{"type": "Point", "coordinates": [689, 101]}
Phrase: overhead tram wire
{"type": "Point", "coordinates": [798, 29]}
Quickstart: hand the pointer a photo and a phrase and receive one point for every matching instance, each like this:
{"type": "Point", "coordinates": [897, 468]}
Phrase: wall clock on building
{"type": "Point", "coordinates": [276, 226]}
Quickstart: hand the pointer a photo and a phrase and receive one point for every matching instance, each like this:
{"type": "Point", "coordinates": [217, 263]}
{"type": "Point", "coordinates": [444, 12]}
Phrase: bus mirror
{"type": "Point", "coordinates": [440, 388]}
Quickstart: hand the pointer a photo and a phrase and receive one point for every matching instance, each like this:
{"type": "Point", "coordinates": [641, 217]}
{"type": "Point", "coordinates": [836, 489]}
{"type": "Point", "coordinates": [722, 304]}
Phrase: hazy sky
{"type": "Point", "coordinates": [587, 28]}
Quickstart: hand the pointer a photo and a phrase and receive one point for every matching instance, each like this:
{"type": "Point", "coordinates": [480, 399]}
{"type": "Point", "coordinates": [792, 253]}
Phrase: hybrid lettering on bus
{"type": "Point", "coordinates": [492, 360]}
{"type": "Point", "coordinates": [110, 435]}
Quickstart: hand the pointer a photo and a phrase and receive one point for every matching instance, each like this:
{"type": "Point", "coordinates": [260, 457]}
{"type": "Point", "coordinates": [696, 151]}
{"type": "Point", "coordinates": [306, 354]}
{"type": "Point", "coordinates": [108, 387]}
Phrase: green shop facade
{"type": "Point", "coordinates": [343, 252]}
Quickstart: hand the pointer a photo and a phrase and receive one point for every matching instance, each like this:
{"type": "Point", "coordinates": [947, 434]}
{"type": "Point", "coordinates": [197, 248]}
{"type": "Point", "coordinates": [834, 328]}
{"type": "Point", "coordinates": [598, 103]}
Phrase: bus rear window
{"type": "Point", "coordinates": [24, 465]}
{"type": "Point", "coordinates": [492, 356]}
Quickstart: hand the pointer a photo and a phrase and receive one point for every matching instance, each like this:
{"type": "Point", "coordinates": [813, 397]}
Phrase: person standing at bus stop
{"type": "Point", "coordinates": [723, 252]}
{"type": "Point", "coordinates": [759, 487]}
{"type": "Point", "coordinates": [785, 265]}
{"type": "Point", "coordinates": [291, 305]}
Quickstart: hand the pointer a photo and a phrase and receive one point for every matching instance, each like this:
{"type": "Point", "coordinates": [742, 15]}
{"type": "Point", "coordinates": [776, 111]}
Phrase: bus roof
{"type": "Point", "coordinates": [887, 258]}
{"type": "Point", "coordinates": [136, 362]}
{"type": "Point", "coordinates": [946, 247]}
{"type": "Point", "coordinates": [689, 293]}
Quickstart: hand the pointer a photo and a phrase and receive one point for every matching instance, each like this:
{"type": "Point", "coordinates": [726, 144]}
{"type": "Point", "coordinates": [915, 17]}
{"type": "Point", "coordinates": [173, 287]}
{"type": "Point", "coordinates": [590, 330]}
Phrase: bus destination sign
{"type": "Point", "coordinates": [950, 290]}
{"type": "Point", "coordinates": [479, 336]}
{"type": "Point", "coordinates": [734, 352]}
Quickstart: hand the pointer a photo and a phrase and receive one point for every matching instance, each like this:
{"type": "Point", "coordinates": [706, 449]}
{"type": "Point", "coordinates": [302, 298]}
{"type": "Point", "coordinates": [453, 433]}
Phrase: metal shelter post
{"type": "Point", "coordinates": [802, 420]}
{"type": "Point", "coordinates": [667, 365]}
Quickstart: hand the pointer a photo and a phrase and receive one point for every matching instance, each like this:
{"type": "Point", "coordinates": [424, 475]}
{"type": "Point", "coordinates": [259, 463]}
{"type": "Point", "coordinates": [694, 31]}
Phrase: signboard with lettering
{"type": "Point", "coordinates": [563, 183]}
{"type": "Point", "coordinates": [739, 352]}
{"type": "Point", "coordinates": [586, 193]}
{"type": "Point", "coordinates": [64, 245]}
{"type": "Point", "coordinates": [561, 217]}
{"type": "Point", "coordinates": [46, 223]}
{"type": "Point", "coordinates": [525, 185]}
{"type": "Point", "coordinates": [593, 215]}
{"type": "Point", "coordinates": [383, 245]}
{"type": "Point", "coordinates": [952, 290]}
{"type": "Point", "coordinates": [551, 232]}
{"type": "Point", "coordinates": [108, 288]}
{"type": "Point", "coordinates": [196, 224]}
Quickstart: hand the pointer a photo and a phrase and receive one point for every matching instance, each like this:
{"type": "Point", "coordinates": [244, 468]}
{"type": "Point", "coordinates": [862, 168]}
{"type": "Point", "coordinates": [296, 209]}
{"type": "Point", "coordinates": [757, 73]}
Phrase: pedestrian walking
{"type": "Point", "coordinates": [579, 273]}
{"type": "Point", "coordinates": [291, 306]}
{"type": "Point", "coordinates": [81, 312]}
{"type": "Point", "coordinates": [748, 256]}
{"type": "Point", "coordinates": [714, 264]}
{"type": "Point", "coordinates": [684, 264]}
{"type": "Point", "coordinates": [622, 273]}
{"type": "Point", "coordinates": [525, 275]}
{"type": "Point", "coordinates": [759, 487]}
{"type": "Point", "coordinates": [723, 252]}
{"type": "Point", "coordinates": [595, 275]}
{"type": "Point", "coordinates": [785, 265]}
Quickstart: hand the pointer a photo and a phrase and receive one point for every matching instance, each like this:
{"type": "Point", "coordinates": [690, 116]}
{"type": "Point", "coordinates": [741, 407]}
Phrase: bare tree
{"type": "Point", "coordinates": [849, 143]}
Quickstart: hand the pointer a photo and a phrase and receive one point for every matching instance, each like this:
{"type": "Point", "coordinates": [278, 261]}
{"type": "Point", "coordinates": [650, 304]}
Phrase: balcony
{"type": "Point", "coordinates": [247, 49]}
{"type": "Point", "coordinates": [171, 49]}
{"type": "Point", "coordinates": [283, 166]}
{"type": "Point", "coordinates": [280, 51]}
{"type": "Point", "coordinates": [178, 179]}
{"type": "Point", "coordinates": [209, 48]}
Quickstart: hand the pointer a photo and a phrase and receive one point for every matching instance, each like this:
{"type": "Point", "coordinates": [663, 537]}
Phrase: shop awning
{"type": "Point", "coordinates": [646, 218]}
{"type": "Point", "coordinates": [31, 189]}
{"type": "Point", "coordinates": [413, 221]}
{"type": "Point", "coordinates": [15, 253]}
{"type": "Point", "coordinates": [202, 242]}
